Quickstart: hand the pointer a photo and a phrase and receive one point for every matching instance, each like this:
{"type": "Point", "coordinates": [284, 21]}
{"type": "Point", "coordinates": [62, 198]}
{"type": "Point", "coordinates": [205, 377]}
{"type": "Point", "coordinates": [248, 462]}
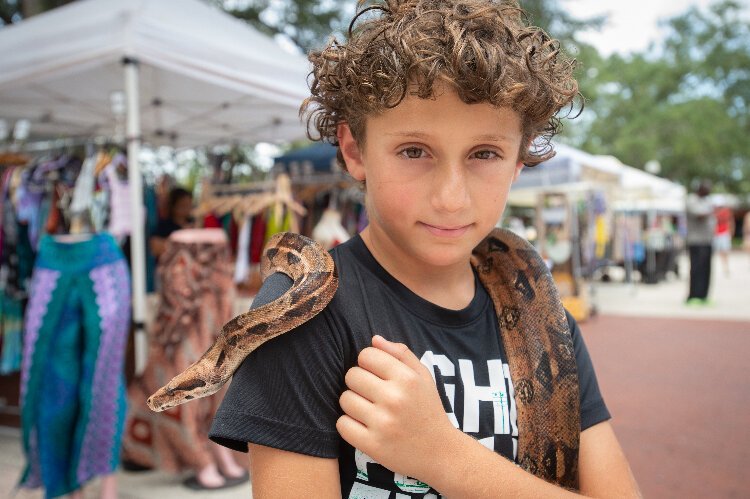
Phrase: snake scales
{"type": "Point", "coordinates": [314, 283]}
{"type": "Point", "coordinates": [531, 318]}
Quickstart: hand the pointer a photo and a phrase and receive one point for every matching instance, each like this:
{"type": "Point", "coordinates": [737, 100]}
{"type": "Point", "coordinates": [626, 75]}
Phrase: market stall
{"type": "Point", "coordinates": [601, 212]}
{"type": "Point", "coordinates": [178, 73]}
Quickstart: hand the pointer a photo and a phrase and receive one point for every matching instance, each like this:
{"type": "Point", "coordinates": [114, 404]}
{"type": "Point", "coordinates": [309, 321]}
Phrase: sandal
{"type": "Point", "coordinates": [193, 483]}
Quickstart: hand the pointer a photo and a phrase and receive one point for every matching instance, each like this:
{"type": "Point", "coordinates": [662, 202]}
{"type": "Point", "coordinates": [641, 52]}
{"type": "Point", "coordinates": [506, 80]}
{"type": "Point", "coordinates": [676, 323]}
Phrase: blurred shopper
{"type": "Point", "coordinates": [179, 206]}
{"type": "Point", "coordinates": [701, 223]}
{"type": "Point", "coordinates": [723, 235]}
{"type": "Point", "coordinates": [196, 299]}
{"type": "Point", "coordinates": [746, 232]}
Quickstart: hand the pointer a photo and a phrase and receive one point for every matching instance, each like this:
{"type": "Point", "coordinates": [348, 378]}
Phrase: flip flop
{"type": "Point", "coordinates": [193, 483]}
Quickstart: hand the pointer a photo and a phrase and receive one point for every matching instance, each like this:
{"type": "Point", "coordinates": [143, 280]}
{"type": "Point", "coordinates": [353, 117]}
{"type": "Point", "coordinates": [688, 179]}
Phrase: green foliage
{"type": "Point", "coordinates": [14, 11]}
{"type": "Point", "coordinates": [307, 23]}
{"type": "Point", "coordinates": [559, 24]}
{"type": "Point", "coordinates": [683, 103]}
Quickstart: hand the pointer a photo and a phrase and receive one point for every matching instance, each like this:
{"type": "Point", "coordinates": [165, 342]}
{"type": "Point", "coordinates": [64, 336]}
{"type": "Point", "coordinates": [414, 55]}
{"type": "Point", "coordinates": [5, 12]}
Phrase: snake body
{"type": "Point", "coordinates": [536, 338]}
{"type": "Point", "coordinates": [534, 331]}
{"type": "Point", "coordinates": [315, 281]}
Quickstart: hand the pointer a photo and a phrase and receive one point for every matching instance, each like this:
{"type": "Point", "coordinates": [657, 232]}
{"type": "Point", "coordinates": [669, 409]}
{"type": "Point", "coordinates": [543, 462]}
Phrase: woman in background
{"type": "Point", "coordinates": [179, 206]}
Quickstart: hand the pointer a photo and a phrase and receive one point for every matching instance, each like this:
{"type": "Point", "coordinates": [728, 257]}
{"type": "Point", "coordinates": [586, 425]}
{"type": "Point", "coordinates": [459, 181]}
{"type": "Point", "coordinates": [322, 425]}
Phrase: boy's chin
{"type": "Point", "coordinates": [445, 257]}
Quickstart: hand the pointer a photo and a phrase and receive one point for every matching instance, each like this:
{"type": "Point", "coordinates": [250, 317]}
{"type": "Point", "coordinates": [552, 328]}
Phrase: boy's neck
{"type": "Point", "coordinates": [448, 287]}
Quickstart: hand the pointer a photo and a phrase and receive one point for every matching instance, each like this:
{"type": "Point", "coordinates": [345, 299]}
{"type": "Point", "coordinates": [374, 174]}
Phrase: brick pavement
{"type": "Point", "coordinates": [679, 394]}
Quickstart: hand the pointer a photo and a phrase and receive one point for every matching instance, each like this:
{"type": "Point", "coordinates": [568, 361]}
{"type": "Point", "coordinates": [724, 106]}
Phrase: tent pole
{"type": "Point", "coordinates": [137, 235]}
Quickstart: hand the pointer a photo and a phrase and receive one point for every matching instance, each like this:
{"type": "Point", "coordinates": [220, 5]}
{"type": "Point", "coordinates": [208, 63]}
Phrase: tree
{"type": "Point", "coordinates": [683, 102]}
{"type": "Point", "coordinates": [306, 23]}
{"type": "Point", "coordinates": [13, 11]}
{"type": "Point", "coordinates": [557, 22]}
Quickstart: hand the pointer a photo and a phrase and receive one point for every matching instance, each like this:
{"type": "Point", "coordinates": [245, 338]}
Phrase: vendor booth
{"type": "Point", "coordinates": [588, 212]}
{"type": "Point", "coordinates": [177, 73]}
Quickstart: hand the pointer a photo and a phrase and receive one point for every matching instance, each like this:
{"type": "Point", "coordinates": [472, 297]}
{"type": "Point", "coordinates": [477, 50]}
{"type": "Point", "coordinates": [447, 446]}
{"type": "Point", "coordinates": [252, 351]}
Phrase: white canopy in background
{"type": "Point", "coordinates": [195, 76]}
{"type": "Point", "coordinates": [205, 76]}
{"type": "Point", "coordinates": [574, 171]}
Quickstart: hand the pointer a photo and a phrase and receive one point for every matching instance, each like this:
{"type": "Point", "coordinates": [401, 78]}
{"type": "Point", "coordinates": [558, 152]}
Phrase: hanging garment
{"type": "Point", "coordinates": [196, 299]}
{"type": "Point", "coordinates": [72, 380]}
{"type": "Point", "coordinates": [276, 224]}
{"type": "Point", "coordinates": [242, 265]}
{"type": "Point", "coordinates": [29, 197]}
{"type": "Point", "coordinates": [120, 217]}
{"type": "Point", "coordinates": [83, 196]}
{"type": "Point", "coordinates": [257, 238]}
{"type": "Point", "coordinates": [329, 232]}
{"type": "Point", "coordinates": [16, 264]}
{"type": "Point", "coordinates": [11, 347]}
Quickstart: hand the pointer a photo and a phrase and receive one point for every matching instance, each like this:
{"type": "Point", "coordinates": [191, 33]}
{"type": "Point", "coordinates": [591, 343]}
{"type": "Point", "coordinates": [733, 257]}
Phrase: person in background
{"type": "Point", "coordinates": [723, 235]}
{"type": "Point", "coordinates": [701, 223]}
{"type": "Point", "coordinates": [746, 232]}
{"type": "Point", "coordinates": [179, 205]}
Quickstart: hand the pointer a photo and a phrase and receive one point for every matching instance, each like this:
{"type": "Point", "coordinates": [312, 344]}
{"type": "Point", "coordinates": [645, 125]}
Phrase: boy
{"type": "Point", "coordinates": [434, 105]}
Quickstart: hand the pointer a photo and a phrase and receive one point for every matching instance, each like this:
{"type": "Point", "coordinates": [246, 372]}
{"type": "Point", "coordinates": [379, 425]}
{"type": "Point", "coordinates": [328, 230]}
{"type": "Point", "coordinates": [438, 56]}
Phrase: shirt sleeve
{"type": "Point", "coordinates": [286, 393]}
{"type": "Point", "coordinates": [593, 408]}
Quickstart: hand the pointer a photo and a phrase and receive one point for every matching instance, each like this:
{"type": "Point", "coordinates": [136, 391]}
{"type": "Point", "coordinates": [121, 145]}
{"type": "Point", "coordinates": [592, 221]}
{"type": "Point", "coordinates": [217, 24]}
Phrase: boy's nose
{"type": "Point", "coordinates": [450, 189]}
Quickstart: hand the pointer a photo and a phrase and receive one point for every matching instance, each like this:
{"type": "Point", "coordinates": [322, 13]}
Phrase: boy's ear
{"type": "Point", "coordinates": [351, 152]}
{"type": "Point", "coordinates": [519, 167]}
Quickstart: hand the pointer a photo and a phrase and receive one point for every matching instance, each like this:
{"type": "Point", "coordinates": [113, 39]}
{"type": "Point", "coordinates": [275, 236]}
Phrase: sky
{"type": "Point", "coordinates": [633, 24]}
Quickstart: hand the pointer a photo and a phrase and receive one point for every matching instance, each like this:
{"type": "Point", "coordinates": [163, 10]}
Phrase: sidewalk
{"type": "Point", "coordinates": [729, 295]}
{"type": "Point", "coordinates": [143, 485]}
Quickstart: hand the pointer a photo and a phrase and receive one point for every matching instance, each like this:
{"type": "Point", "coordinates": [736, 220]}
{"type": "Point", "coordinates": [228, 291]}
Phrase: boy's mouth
{"type": "Point", "coordinates": [446, 231]}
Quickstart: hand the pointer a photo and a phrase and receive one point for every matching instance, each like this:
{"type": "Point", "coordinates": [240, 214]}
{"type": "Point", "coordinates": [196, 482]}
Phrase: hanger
{"type": "Point", "coordinates": [245, 205]}
{"type": "Point", "coordinates": [103, 158]}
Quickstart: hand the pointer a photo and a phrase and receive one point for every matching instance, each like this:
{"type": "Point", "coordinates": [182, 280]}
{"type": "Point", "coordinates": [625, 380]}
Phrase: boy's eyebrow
{"type": "Point", "coordinates": [422, 135]}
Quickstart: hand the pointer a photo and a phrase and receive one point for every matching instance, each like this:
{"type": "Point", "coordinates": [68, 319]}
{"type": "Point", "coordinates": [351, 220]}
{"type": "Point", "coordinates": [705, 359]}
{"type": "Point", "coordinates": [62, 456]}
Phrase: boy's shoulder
{"type": "Point", "coordinates": [357, 273]}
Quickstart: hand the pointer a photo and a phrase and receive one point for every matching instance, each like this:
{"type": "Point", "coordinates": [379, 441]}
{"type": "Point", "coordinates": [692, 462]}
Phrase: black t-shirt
{"type": "Point", "coordinates": [285, 395]}
{"type": "Point", "coordinates": [165, 227]}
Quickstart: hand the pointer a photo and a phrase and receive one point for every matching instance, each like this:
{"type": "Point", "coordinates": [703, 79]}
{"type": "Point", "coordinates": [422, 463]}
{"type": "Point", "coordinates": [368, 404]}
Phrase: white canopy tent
{"type": "Point", "coordinates": [575, 171]}
{"type": "Point", "coordinates": [177, 73]}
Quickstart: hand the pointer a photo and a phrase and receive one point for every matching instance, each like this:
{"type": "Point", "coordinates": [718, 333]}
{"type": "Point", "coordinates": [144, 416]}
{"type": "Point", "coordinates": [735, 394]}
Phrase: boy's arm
{"type": "Point", "coordinates": [280, 474]}
{"type": "Point", "coordinates": [392, 406]}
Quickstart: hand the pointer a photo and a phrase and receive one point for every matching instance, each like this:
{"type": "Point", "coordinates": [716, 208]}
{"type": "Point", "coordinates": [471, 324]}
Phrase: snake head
{"type": "Point", "coordinates": [173, 394]}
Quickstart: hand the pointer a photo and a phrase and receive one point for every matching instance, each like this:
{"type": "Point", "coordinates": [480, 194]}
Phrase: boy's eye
{"type": "Point", "coordinates": [486, 154]}
{"type": "Point", "coordinates": [412, 152]}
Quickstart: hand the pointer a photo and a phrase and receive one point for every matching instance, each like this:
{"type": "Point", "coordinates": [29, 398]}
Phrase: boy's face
{"type": "Point", "coordinates": [438, 172]}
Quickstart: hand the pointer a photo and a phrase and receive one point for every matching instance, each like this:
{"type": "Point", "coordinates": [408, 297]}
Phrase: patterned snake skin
{"type": "Point", "coordinates": [537, 341]}
{"type": "Point", "coordinates": [532, 321]}
{"type": "Point", "coordinates": [315, 282]}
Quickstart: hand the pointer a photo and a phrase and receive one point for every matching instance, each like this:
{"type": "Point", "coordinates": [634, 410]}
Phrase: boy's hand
{"type": "Point", "coordinates": [392, 410]}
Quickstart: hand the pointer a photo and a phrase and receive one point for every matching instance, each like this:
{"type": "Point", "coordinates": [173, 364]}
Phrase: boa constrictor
{"type": "Point", "coordinates": [315, 281]}
{"type": "Point", "coordinates": [532, 321]}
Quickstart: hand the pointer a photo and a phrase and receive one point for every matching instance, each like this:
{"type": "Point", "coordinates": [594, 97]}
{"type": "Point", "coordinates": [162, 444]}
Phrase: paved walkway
{"type": "Point", "coordinates": [729, 294]}
{"type": "Point", "coordinates": [673, 376]}
{"type": "Point", "coordinates": [678, 393]}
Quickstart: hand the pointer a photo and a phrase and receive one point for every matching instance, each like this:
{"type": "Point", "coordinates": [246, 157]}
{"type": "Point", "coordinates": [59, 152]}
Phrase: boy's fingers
{"type": "Point", "coordinates": [382, 364]}
{"type": "Point", "coordinates": [364, 383]}
{"type": "Point", "coordinates": [355, 406]}
{"type": "Point", "coordinates": [352, 431]}
{"type": "Point", "coordinates": [398, 350]}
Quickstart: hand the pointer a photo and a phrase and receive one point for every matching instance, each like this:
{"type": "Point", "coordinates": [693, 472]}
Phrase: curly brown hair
{"type": "Point", "coordinates": [482, 48]}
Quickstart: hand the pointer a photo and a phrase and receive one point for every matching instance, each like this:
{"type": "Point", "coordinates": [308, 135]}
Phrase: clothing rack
{"type": "Point", "coordinates": [62, 143]}
{"type": "Point", "coordinates": [250, 199]}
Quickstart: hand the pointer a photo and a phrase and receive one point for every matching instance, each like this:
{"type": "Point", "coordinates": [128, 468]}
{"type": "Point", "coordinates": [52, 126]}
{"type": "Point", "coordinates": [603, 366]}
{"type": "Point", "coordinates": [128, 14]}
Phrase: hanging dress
{"type": "Point", "coordinates": [196, 299]}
